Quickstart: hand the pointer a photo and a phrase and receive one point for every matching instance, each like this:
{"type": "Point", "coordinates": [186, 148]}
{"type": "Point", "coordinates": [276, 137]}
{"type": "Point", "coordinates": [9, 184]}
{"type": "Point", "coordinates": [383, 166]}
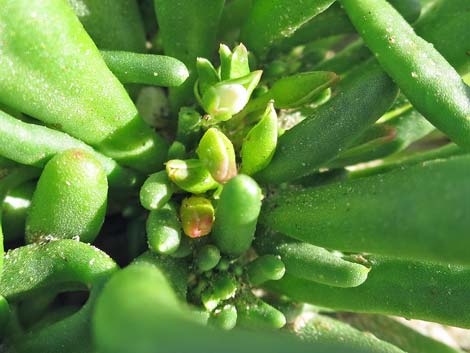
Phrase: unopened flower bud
{"type": "Point", "coordinates": [224, 287]}
{"type": "Point", "coordinates": [260, 143]}
{"type": "Point", "coordinates": [233, 64]}
{"type": "Point", "coordinates": [190, 175]}
{"type": "Point", "coordinates": [207, 258]}
{"type": "Point", "coordinates": [197, 216]}
{"type": "Point", "coordinates": [189, 127]}
{"type": "Point", "coordinates": [216, 151]}
{"type": "Point", "coordinates": [224, 318]}
{"type": "Point", "coordinates": [265, 268]}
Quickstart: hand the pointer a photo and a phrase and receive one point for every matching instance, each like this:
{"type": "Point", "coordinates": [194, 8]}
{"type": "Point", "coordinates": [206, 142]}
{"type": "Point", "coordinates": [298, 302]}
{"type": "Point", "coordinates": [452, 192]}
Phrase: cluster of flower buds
{"type": "Point", "coordinates": [220, 197]}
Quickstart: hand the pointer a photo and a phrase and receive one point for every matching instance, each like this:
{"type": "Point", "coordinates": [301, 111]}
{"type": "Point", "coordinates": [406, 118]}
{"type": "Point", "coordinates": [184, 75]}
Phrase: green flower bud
{"type": "Point", "coordinates": [176, 151]}
{"type": "Point", "coordinates": [216, 151]}
{"type": "Point", "coordinates": [197, 217]}
{"type": "Point", "coordinates": [209, 301]}
{"type": "Point", "coordinates": [190, 175]}
{"type": "Point", "coordinates": [224, 287]}
{"type": "Point", "coordinates": [265, 268]}
{"type": "Point", "coordinates": [207, 258]}
{"type": "Point", "coordinates": [223, 265]}
{"type": "Point", "coordinates": [233, 65]}
{"type": "Point", "coordinates": [260, 143]}
{"type": "Point", "coordinates": [189, 126]}
{"type": "Point", "coordinates": [224, 318]}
